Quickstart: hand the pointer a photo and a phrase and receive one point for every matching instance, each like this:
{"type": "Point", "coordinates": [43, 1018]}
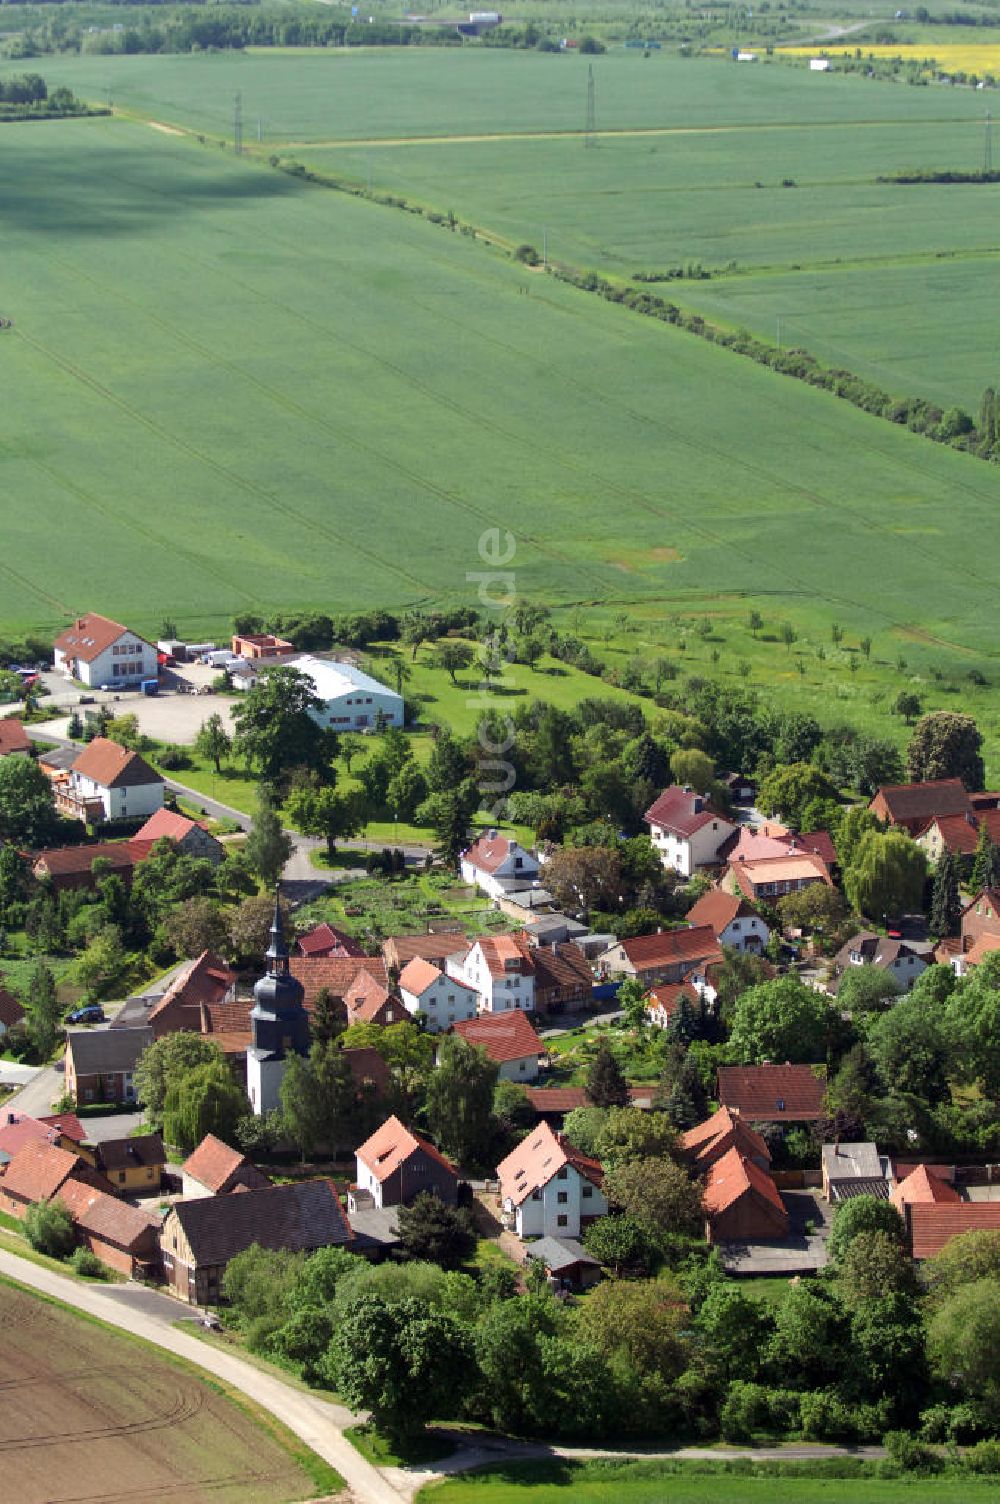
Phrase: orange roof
{"type": "Point", "coordinates": [557, 1099]}
{"type": "Point", "coordinates": [106, 1217]}
{"type": "Point", "coordinates": [38, 1170]}
{"type": "Point", "coordinates": [417, 975]}
{"type": "Point", "coordinates": [981, 948]}
{"type": "Point", "coordinates": [670, 946]}
{"type": "Point", "coordinates": [707, 1141]}
{"type": "Point", "coordinates": [717, 908]}
{"type": "Point", "coordinates": [506, 955]}
{"type": "Point", "coordinates": [13, 737]}
{"type": "Point", "coordinates": [206, 979]}
{"type": "Point", "coordinates": [90, 636]}
{"type": "Point", "coordinates": [794, 866]}
{"type": "Point", "coordinates": [933, 1224]}
{"type": "Point", "coordinates": [504, 1036]}
{"type": "Point", "coordinates": [922, 1185]}
{"type": "Point", "coordinates": [733, 1176]}
{"type": "Point", "coordinates": [365, 998]}
{"type": "Point", "coordinates": [536, 1159]}
{"type": "Point", "coordinates": [213, 1163]}
{"type": "Point", "coordinates": [112, 766]}
{"type": "Point", "coordinates": [392, 1145]}
{"type": "Point", "coordinates": [668, 996]}
{"type": "Point", "coordinates": [773, 1093]}
{"type": "Point", "coordinates": [167, 825]}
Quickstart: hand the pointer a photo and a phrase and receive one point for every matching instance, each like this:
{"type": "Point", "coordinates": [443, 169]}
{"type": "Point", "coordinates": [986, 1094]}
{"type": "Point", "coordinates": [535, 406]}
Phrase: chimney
{"type": "Point", "coordinates": [491, 835]}
{"type": "Point", "coordinates": [698, 803]}
{"type": "Point", "coordinates": [511, 846]}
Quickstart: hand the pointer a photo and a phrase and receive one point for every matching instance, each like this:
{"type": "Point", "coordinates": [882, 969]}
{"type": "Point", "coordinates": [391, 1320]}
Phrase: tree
{"type": "Point", "coordinates": [631, 1000]}
{"type": "Point", "coordinates": [275, 729]}
{"type": "Point", "coordinates": [620, 1243]}
{"type": "Point", "coordinates": [48, 1227]}
{"type": "Point", "coordinates": [447, 764]}
{"type": "Point", "coordinates": [866, 1214]}
{"type": "Point", "coordinates": [401, 1361]}
{"type": "Point", "coordinates": [428, 1229]}
{"type": "Point", "coordinates": [739, 970]}
{"type": "Point", "coordinates": [449, 814]}
{"type": "Point", "coordinates": [268, 846]}
{"type": "Point", "coordinates": [686, 1102]}
{"type": "Point", "coordinates": [912, 1048]}
{"type": "Point", "coordinates": [204, 1100]}
{"type": "Point", "coordinates": [43, 1011]}
{"type": "Point", "coordinates": [584, 877]}
{"type": "Point", "coordinates": [453, 657]}
{"type": "Point", "coordinates": [946, 745]}
{"type": "Point", "coordinates": [886, 877]}
{"type": "Point", "coordinates": [102, 962]}
{"type": "Point", "coordinates": [328, 1018]}
{"type": "Point", "coordinates": [985, 866]}
{"type": "Point", "coordinates": [582, 1126]}
{"type": "Point", "coordinates": [606, 1084]}
{"type": "Point", "coordinates": [641, 1323]}
{"type": "Point", "coordinates": [693, 769]}
{"type": "Point", "coordinates": [630, 1133]}
{"type": "Point", "coordinates": [963, 1260]}
{"type": "Point", "coordinates": [809, 1341]}
{"type": "Point", "coordinates": [250, 925]}
{"type": "Point", "coordinates": [870, 1268]}
{"type": "Point", "coordinates": [973, 1017]}
{"type": "Point", "coordinates": [351, 746]}
{"type": "Point", "coordinates": [324, 812]}
{"type": "Point", "coordinates": [166, 1061]}
{"type": "Point", "coordinates": [13, 876]}
{"type": "Point", "coordinates": [908, 705]}
{"type": "Point", "coordinates": [460, 1100]}
{"type": "Point", "coordinates": [213, 741]}
{"type": "Point", "coordinates": [780, 1020]}
{"type": "Point", "coordinates": [658, 1193]}
{"type": "Point", "coordinates": [414, 629]}
{"type": "Point", "coordinates": [946, 905]}
{"type": "Point", "coordinates": [735, 1329]}
{"type": "Point", "coordinates": [866, 989]}
{"type": "Point", "coordinates": [816, 907]}
{"type": "Point", "coordinates": [510, 1344]}
{"type": "Point", "coordinates": [963, 1339]}
{"type": "Point", "coordinates": [27, 815]}
{"type": "Point", "coordinates": [854, 824]}
{"type": "Point", "coordinates": [319, 1101]}
{"type": "Point", "coordinates": [406, 790]}
{"type": "Point", "coordinates": [197, 924]}
{"type": "Point", "coordinates": [790, 788]}
{"type": "Point", "coordinates": [512, 1107]}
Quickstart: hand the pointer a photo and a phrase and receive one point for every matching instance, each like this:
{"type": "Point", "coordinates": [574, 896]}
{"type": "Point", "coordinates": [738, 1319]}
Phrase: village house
{"type": "Point", "coordinates": [851, 1170]}
{"type": "Point", "coordinates": [552, 1103]}
{"type": "Point", "coordinates": [662, 1002]}
{"type": "Point", "coordinates": [38, 1171]}
{"type": "Point", "coordinates": [132, 1166]}
{"type": "Point", "coordinates": [213, 1169]}
{"type": "Point", "coordinates": [11, 1012]}
{"type": "Point", "coordinates": [189, 836]}
{"type": "Point", "coordinates": [501, 970]}
{"type": "Point", "coordinates": [767, 878]}
{"type": "Point", "coordinates": [498, 865]}
{"type": "Point", "coordinates": [566, 1262]}
{"type": "Point", "coordinates": [564, 978]}
{"type": "Point", "coordinates": [435, 947]}
{"type": "Point", "coordinates": [366, 1001]}
{"type": "Point", "coordinates": [262, 647]}
{"type": "Point", "coordinates": [548, 1188]}
{"type": "Point", "coordinates": [686, 830]}
{"type": "Point", "coordinates": [323, 940]}
{"type": "Point", "coordinates": [396, 1164]}
{"type": "Point", "coordinates": [107, 782]}
{"type": "Point", "coordinates": [67, 868]}
{"type": "Point", "coordinates": [206, 980]}
{"type": "Point", "coordinates": [773, 1093]}
{"type": "Point", "coordinates": [102, 653]}
{"type": "Point", "coordinates": [667, 956]}
{"type": "Point", "coordinates": [200, 1237]}
{"type": "Point", "coordinates": [911, 806]}
{"type": "Point", "coordinates": [734, 922]}
{"type": "Point", "coordinates": [509, 1040]}
{"type": "Point", "coordinates": [925, 1185]}
{"type": "Point", "coordinates": [438, 998]}
{"type": "Point", "coordinates": [351, 700]}
{"type": "Point", "coordinates": [898, 960]}
{"type": "Point", "coordinates": [931, 1225]}
{"type": "Point", "coordinates": [122, 1236]}
{"type": "Point", "coordinates": [742, 1202]}
{"type": "Point", "coordinates": [100, 1063]}
{"type": "Point", "coordinates": [14, 739]}
{"type": "Point", "coordinates": [64, 1130]}
{"type": "Point", "coordinates": [707, 1142]}
{"type": "Point", "coordinates": [979, 933]}
{"type": "Point", "coordinates": [334, 974]}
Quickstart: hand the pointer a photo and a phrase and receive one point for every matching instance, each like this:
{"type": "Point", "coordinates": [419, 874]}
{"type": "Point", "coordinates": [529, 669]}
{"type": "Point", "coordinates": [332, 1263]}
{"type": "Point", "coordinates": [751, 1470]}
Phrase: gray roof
{"type": "Point", "coordinates": [849, 1161]}
{"type": "Point", "coordinates": [300, 1217]}
{"type": "Point", "coordinates": [374, 1227]}
{"type": "Point", "coordinates": [846, 1190]}
{"type": "Point", "coordinates": [135, 1011]}
{"type": "Point", "coordinates": [549, 928]}
{"type": "Point", "coordinates": [59, 757]}
{"type": "Point", "coordinates": [105, 1051]}
{"type": "Point", "coordinates": [558, 1254]}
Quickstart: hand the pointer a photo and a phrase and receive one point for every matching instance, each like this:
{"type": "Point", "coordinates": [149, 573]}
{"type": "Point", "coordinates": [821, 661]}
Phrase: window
{"type": "Point", "coordinates": [587, 1192]}
{"type": "Point", "coordinates": [121, 1177]}
{"type": "Point", "coordinates": [536, 1195]}
{"type": "Point", "coordinates": [562, 1198]}
{"type": "Point", "coordinates": [562, 1221]}
{"type": "Point", "coordinates": [561, 1174]}
{"type": "Point", "coordinates": [522, 1066]}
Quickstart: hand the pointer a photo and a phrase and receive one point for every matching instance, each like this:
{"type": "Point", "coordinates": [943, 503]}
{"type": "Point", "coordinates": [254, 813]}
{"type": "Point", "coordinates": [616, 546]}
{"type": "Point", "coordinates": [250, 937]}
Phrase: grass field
{"type": "Point", "coordinates": [89, 1415]}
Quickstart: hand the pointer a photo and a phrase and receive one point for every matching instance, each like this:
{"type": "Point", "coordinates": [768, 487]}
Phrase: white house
{"type": "Point", "coordinates": [898, 960]}
{"type": "Point", "coordinates": [98, 652]}
{"type": "Point", "coordinates": [396, 1164]}
{"type": "Point", "coordinates": [500, 969]}
{"type": "Point", "coordinates": [509, 1040]}
{"type": "Point", "coordinates": [352, 700]}
{"type": "Point", "coordinates": [548, 1188]}
{"type": "Point", "coordinates": [736, 924]}
{"type": "Point", "coordinates": [108, 782]}
{"type": "Point", "coordinates": [686, 831]}
{"type": "Point", "coordinates": [498, 865]}
{"type": "Point", "coordinates": [440, 999]}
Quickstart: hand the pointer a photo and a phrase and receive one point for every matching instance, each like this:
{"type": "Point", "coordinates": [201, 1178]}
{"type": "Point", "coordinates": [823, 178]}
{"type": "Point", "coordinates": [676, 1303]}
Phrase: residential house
{"type": "Point", "coordinates": [334, 974]}
{"type": "Point", "coordinates": [14, 739]}
{"type": "Point", "coordinates": [102, 653]}
{"type": "Point", "coordinates": [213, 1169]}
{"type": "Point", "coordinates": [931, 1225]}
{"type": "Point", "coordinates": [100, 1063]}
{"type": "Point", "coordinates": [911, 806]}
{"type": "Point", "coordinates": [263, 647]}
{"type": "Point", "coordinates": [64, 1130]}
{"type": "Point", "coordinates": [509, 1040]}
{"type": "Point", "coordinates": [667, 956]}
{"type": "Point", "coordinates": [851, 1170]}
{"type": "Point", "coordinates": [498, 865]}
{"type": "Point", "coordinates": [189, 836]}
{"type": "Point", "coordinates": [367, 1001]}
{"type": "Point", "coordinates": [501, 968]}
{"type": "Point", "coordinates": [662, 1002]}
{"type": "Point", "coordinates": [38, 1171]}
{"type": "Point", "coordinates": [687, 830]}
{"type": "Point", "coordinates": [564, 978]}
{"type": "Point", "coordinates": [438, 998]}
{"type": "Point", "coordinates": [396, 1164]}
{"type": "Point", "coordinates": [124, 1237]}
{"type": "Point", "coordinates": [205, 980]}
{"type": "Point", "coordinates": [200, 1237]}
{"type": "Point", "coordinates": [773, 1093]}
{"type": "Point", "coordinates": [742, 1202]}
{"type": "Point", "coordinates": [925, 1185]}
{"type": "Point", "coordinates": [350, 700]}
{"type": "Point", "coordinates": [979, 932]}
{"type": "Point", "coordinates": [742, 789]}
{"type": "Point", "coordinates": [548, 1188]}
{"type": "Point", "coordinates": [67, 868]}
{"type": "Point", "coordinates": [323, 940]}
{"type": "Point", "coordinates": [707, 1142]}
{"type": "Point", "coordinates": [768, 878]}
{"type": "Point", "coordinates": [133, 1166]}
{"type": "Point", "coordinates": [552, 1103]}
{"type": "Point", "coordinates": [566, 1262]}
{"type": "Point", "coordinates": [898, 960]}
{"type": "Point", "coordinates": [11, 1012]}
{"type": "Point", "coordinates": [107, 782]}
{"type": "Point", "coordinates": [734, 922]}
{"type": "Point", "coordinates": [435, 947]}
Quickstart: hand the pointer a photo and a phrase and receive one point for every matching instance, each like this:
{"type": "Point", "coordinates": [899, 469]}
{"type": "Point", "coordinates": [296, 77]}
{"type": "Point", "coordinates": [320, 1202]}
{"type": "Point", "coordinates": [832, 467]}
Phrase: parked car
{"type": "Point", "coordinates": [93, 1013]}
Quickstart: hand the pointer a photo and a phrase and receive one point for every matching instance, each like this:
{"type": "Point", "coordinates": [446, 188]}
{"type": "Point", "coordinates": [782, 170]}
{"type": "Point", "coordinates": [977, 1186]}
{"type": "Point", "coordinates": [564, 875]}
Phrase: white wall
{"type": "Point", "coordinates": [130, 803]}
{"type": "Point", "coordinates": [367, 1180]}
{"type": "Point", "coordinates": [264, 1083]}
{"type": "Point", "coordinates": [684, 854]}
{"type": "Point", "coordinates": [524, 1068]}
{"type": "Point", "coordinates": [114, 666]}
{"type": "Point", "coordinates": [550, 1216]}
{"type": "Point", "coordinates": [443, 1003]}
{"type": "Point", "coordinates": [738, 931]}
{"type": "Point", "coordinates": [193, 1190]}
{"type": "Point", "coordinates": [496, 994]}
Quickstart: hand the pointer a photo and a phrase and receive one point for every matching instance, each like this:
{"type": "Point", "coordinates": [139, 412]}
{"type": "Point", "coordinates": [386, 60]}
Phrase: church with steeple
{"type": "Point", "coordinates": [278, 1021]}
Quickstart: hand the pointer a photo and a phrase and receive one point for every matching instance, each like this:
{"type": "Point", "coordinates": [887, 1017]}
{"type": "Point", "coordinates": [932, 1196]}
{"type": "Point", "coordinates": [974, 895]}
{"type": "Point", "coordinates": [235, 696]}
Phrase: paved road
{"type": "Point", "coordinates": [316, 1421]}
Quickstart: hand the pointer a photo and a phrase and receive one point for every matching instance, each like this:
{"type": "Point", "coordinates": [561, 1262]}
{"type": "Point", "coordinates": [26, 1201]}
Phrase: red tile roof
{"type": "Point", "coordinates": [734, 1176]}
{"type": "Point", "coordinates": [557, 1099]}
{"type": "Point", "coordinates": [213, 1164]}
{"type": "Point", "coordinates": [489, 853]}
{"type": "Point", "coordinates": [11, 1012]}
{"type": "Point", "coordinates": [934, 1224]}
{"type": "Point", "coordinates": [367, 1001]}
{"type": "Point", "coordinates": [65, 861]}
{"type": "Point", "coordinates": [537, 1159]}
{"type": "Point", "coordinates": [981, 948]}
{"type": "Point", "coordinates": [392, 1145]}
{"type": "Point", "coordinates": [206, 979]}
{"type": "Point", "coordinates": [717, 909]}
{"type": "Point", "coordinates": [335, 973]}
{"type": "Point", "coordinates": [324, 940]}
{"type": "Point", "coordinates": [668, 995]}
{"type": "Point", "coordinates": [561, 968]}
{"type": "Point", "coordinates": [504, 1036]}
{"type": "Point", "coordinates": [670, 947]}
{"type": "Point", "coordinates": [112, 766]}
{"type": "Point", "coordinates": [89, 636]}
{"type": "Point", "coordinates": [682, 811]}
{"type": "Point", "coordinates": [708, 1141]}
{"type": "Point", "coordinates": [821, 843]}
{"type": "Point", "coordinates": [68, 1124]}
{"type": "Point", "coordinates": [13, 737]}
{"type": "Point", "coordinates": [773, 1093]}
{"type": "Point", "coordinates": [38, 1170]}
{"type": "Point", "coordinates": [108, 1218]}
{"type": "Point", "coordinates": [794, 866]}
{"type": "Point", "coordinates": [167, 825]}
{"type": "Point", "coordinates": [916, 803]}
{"type": "Point", "coordinates": [960, 833]}
{"type": "Point", "coordinates": [18, 1129]}
{"type": "Point", "coordinates": [417, 975]}
{"type": "Point", "coordinates": [922, 1185]}
{"type": "Point", "coordinates": [507, 955]}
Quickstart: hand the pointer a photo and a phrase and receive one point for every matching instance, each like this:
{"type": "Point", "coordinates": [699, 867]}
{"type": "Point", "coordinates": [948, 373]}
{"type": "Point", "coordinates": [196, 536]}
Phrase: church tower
{"type": "Point", "coordinates": [279, 1023]}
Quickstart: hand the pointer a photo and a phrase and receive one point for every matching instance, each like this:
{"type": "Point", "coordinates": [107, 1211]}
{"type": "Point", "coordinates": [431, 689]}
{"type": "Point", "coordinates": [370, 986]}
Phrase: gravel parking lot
{"type": "Point", "coordinates": [170, 716]}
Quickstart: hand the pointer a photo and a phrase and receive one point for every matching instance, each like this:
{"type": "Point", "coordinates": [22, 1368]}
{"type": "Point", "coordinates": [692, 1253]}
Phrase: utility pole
{"type": "Point", "coordinates": [238, 124]}
{"type": "Point", "coordinates": [260, 129]}
{"type": "Point", "coordinates": [779, 331]}
{"type": "Point", "coordinates": [988, 145]}
{"type": "Point", "coordinates": [591, 123]}
{"type": "Point", "coordinates": [545, 245]}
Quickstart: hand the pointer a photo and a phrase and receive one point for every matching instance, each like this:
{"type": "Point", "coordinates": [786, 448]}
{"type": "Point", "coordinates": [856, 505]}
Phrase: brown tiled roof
{"type": "Point", "coordinates": [922, 1186]}
{"type": "Point", "coordinates": [488, 854]}
{"type": "Point", "coordinates": [537, 1159]}
{"type": "Point", "coordinates": [504, 1036]}
{"type": "Point", "coordinates": [107, 1217]}
{"type": "Point", "coordinates": [682, 811]}
{"type": "Point", "coordinates": [68, 1124]}
{"type": "Point", "coordinates": [773, 1093]}
{"type": "Point", "coordinates": [399, 949]}
{"type": "Point", "coordinates": [708, 1141]}
{"type": "Point", "coordinates": [335, 973]}
{"type": "Point", "coordinates": [556, 1099]}
{"type": "Point", "coordinates": [13, 737]}
{"type": "Point", "coordinates": [668, 995]}
{"type": "Point", "coordinates": [820, 843]}
{"type": "Point", "coordinates": [11, 1012]}
{"type": "Point", "coordinates": [145, 1151]}
{"type": "Point", "coordinates": [686, 946]}
{"type": "Point", "coordinates": [717, 909]}
{"type": "Point", "coordinates": [499, 950]}
{"type": "Point", "coordinates": [37, 1171]}
{"type": "Point", "coordinates": [300, 1217]}
{"type": "Point", "coordinates": [213, 1164]}
{"type": "Point", "coordinates": [167, 825]}
{"type": "Point", "coordinates": [391, 1145]}
{"type": "Point", "coordinates": [206, 979]}
{"type": "Point", "coordinates": [561, 966]}
{"type": "Point", "coordinates": [17, 1129]}
{"type": "Point", "coordinates": [981, 948]}
{"type": "Point", "coordinates": [62, 861]}
{"type": "Point", "coordinates": [112, 766]}
{"type": "Point", "coordinates": [933, 1224]}
{"type": "Point", "coordinates": [909, 802]}
{"type": "Point", "coordinates": [960, 833]}
{"type": "Point", "coordinates": [736, 1175]}
{"type": "Point", "coordinates": [324, 940]}
{"type": "Point", "coordinates": [365, 1000]}
{"type": "Point", "coordinates": [89, 636]}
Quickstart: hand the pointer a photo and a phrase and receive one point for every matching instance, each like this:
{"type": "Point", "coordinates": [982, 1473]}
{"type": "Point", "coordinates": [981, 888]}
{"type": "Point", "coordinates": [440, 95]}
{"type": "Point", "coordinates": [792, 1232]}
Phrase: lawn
{"type": "Point", "coordinates": [600, 1482]}
{"type": "Point", "coordinates": [76, 1413]}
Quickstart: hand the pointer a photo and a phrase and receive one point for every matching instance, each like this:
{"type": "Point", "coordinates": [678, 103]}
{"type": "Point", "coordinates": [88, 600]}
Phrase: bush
{"type": "Point", "coordinates": [174, 759]}
{"type": "Point", "coordinates": [911, 1455]}
{"type": "Point", "coordinates": [86, 1262]}
{"type": "Point", "coordinates": [48, 1227]}
{"type": "Point", "coordinates": [528, 255]}
{"type": "Point", "coordinates": [825, 1416]}
{"type": "Point", "coordinates": [984, 1457]}
{"type": "Point", "coordinates": [756, 1407]}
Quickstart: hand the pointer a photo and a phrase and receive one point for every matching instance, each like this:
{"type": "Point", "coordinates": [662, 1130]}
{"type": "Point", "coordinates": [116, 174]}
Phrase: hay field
{"type": "Point", "coordinates": [958, 57]}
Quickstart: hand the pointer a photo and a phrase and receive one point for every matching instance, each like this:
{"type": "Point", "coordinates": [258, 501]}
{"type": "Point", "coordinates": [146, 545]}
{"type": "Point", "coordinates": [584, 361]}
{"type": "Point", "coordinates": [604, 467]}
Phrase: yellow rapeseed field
{"type": "Point", "coordinates": [953, 56]}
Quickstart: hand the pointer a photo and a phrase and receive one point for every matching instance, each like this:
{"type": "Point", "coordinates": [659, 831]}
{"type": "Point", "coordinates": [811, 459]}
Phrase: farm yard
{"type": "Point", "coordinates": [75, 1425]}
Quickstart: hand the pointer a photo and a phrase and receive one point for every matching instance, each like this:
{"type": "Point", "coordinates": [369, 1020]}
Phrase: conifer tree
{"type": "Point", "coordinates": [606, 1084]}
{"type": "Point", "coordinates": [986, 866]}
{"type": "Point", "coordinates": [946, 906]}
